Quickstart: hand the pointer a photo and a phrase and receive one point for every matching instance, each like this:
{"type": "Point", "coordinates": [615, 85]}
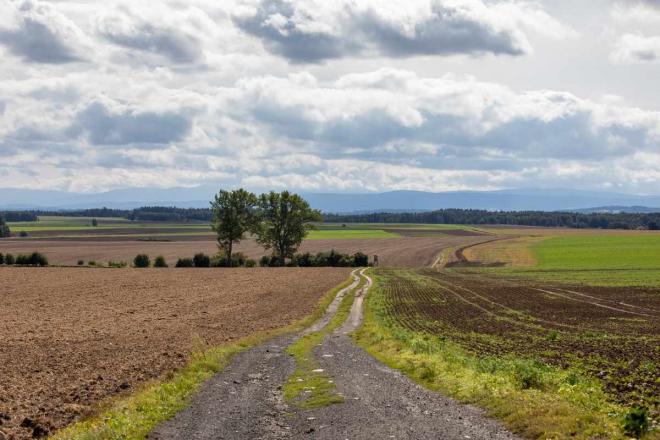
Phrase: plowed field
{"type": "Point", "coordinates": [392, 252]}
{"type": "Point", "coordinates": [71, 337]}
{"type": "Point", "coordinates": [611, 333]}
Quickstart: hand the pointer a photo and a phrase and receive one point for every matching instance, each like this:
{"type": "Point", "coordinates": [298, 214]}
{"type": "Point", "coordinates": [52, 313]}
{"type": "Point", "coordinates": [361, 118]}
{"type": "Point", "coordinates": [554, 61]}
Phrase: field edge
{"type": "Point", "coordinates": [567, 409]}
{"type": "Point", "coordinates": [134, 416]}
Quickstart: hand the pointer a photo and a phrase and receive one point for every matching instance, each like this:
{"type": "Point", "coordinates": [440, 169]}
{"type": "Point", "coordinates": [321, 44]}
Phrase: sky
{"type": "Point", "coordinates": [331, 96]}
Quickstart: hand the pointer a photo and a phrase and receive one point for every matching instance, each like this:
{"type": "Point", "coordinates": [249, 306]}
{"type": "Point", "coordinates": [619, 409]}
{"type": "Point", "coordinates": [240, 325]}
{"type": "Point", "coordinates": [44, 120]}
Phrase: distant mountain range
{"type": "Point", "coordinates": [393, 201]}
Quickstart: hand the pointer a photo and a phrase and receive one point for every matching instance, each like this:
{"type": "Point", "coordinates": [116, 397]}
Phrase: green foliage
{"type": "Point", "coordinates": [4, 229]}
{"type": "Point", "coordinates": [2, 259]}
{"type": "Point", "coordinates": [81, 262]}
{"type": "Point", "coordinates": [523, 218]}
{"type": "Point", "coordinates": [23, 234]}
{"type": "Point", "coordinates": [201, 260]}
{"type": "Point", "coordinates": [238, 259]}
{"type": "Point", "coordinates": [233, 217]}
{"type": "Point", "coordinates": [117, 264]}
{"type": "Point", "coordinates": [283, 222]}
{"type": "Point", "coordinates": [34, 259]}
{"type": "Point", "coordinates": [9, 259]}
{"type": "Point", "coordinates": [91, 263]}
{"type": "Point", "coordinates": [95, 222]}
{"type": "Point", "coordinates": [185, 262]}
{"type": "Point", "coordinates": [160, 261]}
{"type": "Point", "coordinates": [141, 260]}
{"type": "Point", "coordinates": [636, 422]}
{"type": "Point", "coordinates": [250, 263]}
{"type": "Point", "coordinates": [330, 259]}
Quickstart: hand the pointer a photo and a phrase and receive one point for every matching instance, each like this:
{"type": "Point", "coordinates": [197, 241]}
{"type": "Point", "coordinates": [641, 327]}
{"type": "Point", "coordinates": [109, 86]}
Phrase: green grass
{"type": "Point", "coordinates": [602, 260]}
{"type": "Point", "coordinates": [347, 234]}
{"type": "Point", "coordinates": [307, 387]}
{"type": "Point", "coordinates": [533, 399]}
{"type": "Point", "coordinates": [134, 416]}
{"type": "Point", "coordinates": [599, 252]}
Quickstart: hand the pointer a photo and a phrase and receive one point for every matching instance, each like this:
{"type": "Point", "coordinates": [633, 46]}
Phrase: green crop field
{"type": "Point", "coordinates": [606, 260]}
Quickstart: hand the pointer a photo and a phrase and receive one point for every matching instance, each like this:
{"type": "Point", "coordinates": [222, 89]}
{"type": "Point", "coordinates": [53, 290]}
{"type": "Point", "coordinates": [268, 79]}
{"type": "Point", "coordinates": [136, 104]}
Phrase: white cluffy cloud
{"type": "Point", "coordinates": [101, 95]}
{"type": "Point", "coordinates": [310, 31]}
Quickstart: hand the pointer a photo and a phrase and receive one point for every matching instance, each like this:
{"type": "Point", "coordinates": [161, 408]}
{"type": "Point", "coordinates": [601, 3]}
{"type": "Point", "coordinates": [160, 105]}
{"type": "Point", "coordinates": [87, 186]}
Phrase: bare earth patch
{"type": "Point", "coordinates": [74, 336]}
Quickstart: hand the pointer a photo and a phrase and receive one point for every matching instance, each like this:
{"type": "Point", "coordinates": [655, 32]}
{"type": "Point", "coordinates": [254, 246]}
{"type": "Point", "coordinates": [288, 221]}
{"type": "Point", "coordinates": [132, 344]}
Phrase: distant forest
{"type": "Point", "coordinates": [443, 216]}
{"type": "Point", "coordinates": [146, 214]}
{"type": "Point", "coordinates": [520, 218]}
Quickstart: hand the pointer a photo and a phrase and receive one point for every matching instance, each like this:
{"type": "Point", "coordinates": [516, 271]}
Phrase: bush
{"type": "Point", "coordinates": [304, 260]}
{"type": "Point", "coordinates": [2, 259]}
{"type": "Point", "coordinates": [117, 264]}
{"type": "Point", "coordinates": [360, 260]}
{"type": "Point", "coordinates": [91, 263]}
{"type": "Point", "coordinates": [141, 260]}
{"type": "Point", "coordinates": [160, 261]}
{"type": "Point", "coordinates": [34, 259]}
{"type": "Point", "coordinates": [201, 260]}
{"type": "Point", "coordinates": [269, 261]}
{"type": "Point", "coordinates": [220, 260]}
{"type": "Point", "coordinates": [185, 262]}
{"type": "Point", "coordinates": [95, 222]}
{"type": "Point", "coordinates": [250, 263]}
{"type": "Point", "coordinates": [636, 422]}
{"type": "Point", "coordinates": [80, 262]}
{"type": "Point", "coordinates": [23, 234]}
{"type": "Point", "coordinates": [9, 259]}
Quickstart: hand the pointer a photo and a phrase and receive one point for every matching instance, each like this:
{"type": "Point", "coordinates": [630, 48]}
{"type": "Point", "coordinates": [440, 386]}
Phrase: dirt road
{"type": "Point", "coordinates": [245, 401]}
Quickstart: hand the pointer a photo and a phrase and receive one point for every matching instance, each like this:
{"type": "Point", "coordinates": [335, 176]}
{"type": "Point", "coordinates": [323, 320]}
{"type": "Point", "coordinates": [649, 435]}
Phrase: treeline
{"type": "Point", "coordinates": [519, 218]}
{"type": "Point", "coordinates": [4, 229]}
{"type": "Point", "coordinates": [170, 214]}
{"type": "Point", "coordinates": [146, 213]}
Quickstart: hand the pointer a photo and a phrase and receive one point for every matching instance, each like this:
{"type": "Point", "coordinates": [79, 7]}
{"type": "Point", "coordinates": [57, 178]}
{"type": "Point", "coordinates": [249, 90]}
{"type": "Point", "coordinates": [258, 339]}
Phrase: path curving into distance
{"type": "Point", "coordinates": [245, 400]}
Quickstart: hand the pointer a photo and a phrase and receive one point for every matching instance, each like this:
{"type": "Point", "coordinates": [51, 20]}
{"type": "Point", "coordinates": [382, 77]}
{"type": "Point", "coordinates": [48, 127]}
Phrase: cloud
{"type": "Point", "coordinates": [37, 33]}
{"type": "Point", "coordinates": [633, 48]}
{"type": "Point", "coordinates": [149, 32]}
{"type": "Point", "coordinates": [361, 113]}
{"type": "Point", "coordinates": [124, 126]}
{"type": "Point", "coordinates": [312, 31]}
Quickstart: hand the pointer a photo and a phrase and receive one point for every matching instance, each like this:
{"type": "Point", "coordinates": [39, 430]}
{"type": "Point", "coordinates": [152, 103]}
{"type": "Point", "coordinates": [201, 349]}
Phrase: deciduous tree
{"type": "Point", "coordinates": [233, 217]}
{"type": "Point", "coordinates": [284, 220]}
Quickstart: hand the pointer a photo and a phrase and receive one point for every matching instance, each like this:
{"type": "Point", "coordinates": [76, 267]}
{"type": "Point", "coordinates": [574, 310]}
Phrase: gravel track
{"type": "Point", "coordinates": [245, 400]}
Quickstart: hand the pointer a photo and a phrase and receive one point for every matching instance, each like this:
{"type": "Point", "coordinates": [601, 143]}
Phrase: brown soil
{"type": "Point", "coordinates": [392, 252]}
{"type": "Point", "coordinates": [612, 333]}
{"type": "Point", "coordinates": [74, 336]}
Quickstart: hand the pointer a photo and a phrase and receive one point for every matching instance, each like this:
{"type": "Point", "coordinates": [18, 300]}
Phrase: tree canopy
{"type": "Point", "coordinates": [283, 222]}
{"type": "Point", "coordinates": [233, 217]}
{"type": "Point", "coordinates": [4, 229]}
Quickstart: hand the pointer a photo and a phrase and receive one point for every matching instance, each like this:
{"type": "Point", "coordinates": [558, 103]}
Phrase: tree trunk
{"type": "Point", "coordinates": [230, 260]}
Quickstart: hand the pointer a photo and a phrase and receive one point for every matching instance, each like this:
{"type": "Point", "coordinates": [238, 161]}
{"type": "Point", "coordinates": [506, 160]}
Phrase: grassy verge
{"type": "Point", "coordinates": [308, 386]}
{"type": "Point", "coordinates": [533, 399]}
{"type": "Point", "coordinates": [134, 416]}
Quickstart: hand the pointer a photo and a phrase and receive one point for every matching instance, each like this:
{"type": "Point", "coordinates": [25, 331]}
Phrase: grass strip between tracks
{"type": "Point", "coordinates": [133, 417]}
{"type": "Point", "coordinates": [552, 404]}
{"type": "Point", "coordinates": [308, 386]}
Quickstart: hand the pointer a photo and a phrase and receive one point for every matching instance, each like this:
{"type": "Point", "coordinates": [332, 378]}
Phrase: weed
{"type": "Point", "coordinates": [636, 422]}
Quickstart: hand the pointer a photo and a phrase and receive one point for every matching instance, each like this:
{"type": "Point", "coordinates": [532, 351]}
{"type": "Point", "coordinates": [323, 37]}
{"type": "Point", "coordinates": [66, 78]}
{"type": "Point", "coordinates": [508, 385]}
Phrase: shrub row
{"type": "Point", "coordinates": [238, 259]}
{"type": "Point", "coordinates": [321, 259]}
{"type": "Point", "coordinates": [34, 259]}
